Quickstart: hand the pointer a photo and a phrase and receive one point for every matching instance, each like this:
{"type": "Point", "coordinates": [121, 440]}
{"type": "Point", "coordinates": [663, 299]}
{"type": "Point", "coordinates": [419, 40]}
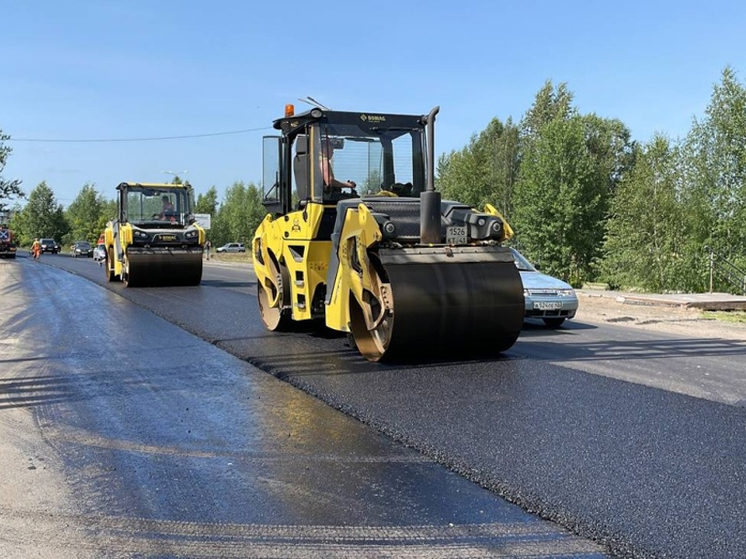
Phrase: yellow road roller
{"type": "Point", "coordinates": [357, 235]}
{"type": "Point", "coordinates": [154, 240]}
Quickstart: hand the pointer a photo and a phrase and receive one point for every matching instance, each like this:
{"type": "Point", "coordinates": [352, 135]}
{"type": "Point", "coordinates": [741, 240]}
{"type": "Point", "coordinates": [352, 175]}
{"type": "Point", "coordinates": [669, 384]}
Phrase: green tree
{"type": "Point", "coordinates": [85, 216]}
{"type": "Point", "coordinates": [610, 145]}
{"type": "Point", "coordinates": [239, 214]}
{"type": "Point", "coordinates": [559, 203]}
{"type": "Point", "coordinates": [502, 152]}
{"type": "Point", "coordinates": [715, 163]}
{"type": "Point", "coordinates": [9, 189]}
{"type": "Point", "coordinates": [207, 203]}
{"type": "Point", "coordinates": [486, 170]}
{"type": "Point", "coordinates": [571, 164]}
{"type": "Point", "coordinates": [646, 244]}
{"type": "Point", "coordinates": [550, 103]}
{"type": "Point", "coordinates": [456, 172]}
{"type": "Point", "coordinates": [41, 217]}
{"type": "Point", "coordinates": [108, 213]}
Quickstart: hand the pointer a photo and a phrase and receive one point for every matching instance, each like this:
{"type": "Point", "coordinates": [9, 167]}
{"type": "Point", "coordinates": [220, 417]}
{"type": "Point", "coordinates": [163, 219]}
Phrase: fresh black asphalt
{"type": "Point", "coordinates": [594, 446]}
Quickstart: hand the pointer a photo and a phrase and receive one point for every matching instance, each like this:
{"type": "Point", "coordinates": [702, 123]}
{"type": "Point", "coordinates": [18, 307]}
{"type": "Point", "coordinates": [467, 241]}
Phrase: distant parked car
{"type": "Point", "coordinates": [49, 245]}
{"type": "Point", "coordinates": [99, 253]}
{"type": "Point", "coordinates": [82, 248]}
{"type": "Point", "coordinates": [232, 247]}
{"type": "Point", "coordinates": [548, 298]}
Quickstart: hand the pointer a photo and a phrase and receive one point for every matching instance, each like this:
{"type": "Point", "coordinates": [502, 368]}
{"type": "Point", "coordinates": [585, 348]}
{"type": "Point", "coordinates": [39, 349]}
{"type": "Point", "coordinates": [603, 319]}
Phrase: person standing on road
{"type": "Point", "coordinates": [36, 249]}
{"type": "Point", "coordinates": [208, 246]}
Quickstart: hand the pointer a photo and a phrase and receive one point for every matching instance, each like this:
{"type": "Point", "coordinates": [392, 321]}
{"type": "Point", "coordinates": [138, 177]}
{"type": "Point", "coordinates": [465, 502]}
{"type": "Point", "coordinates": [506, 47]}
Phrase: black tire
{"type": "Point", "coordinates": [126, 279]}
{"type": "Point", "coordinates": [553, 322]}
{"type": "Point", "coordinates": [275, 319]}
{"type": "Point", "coordinates": [108, 269]}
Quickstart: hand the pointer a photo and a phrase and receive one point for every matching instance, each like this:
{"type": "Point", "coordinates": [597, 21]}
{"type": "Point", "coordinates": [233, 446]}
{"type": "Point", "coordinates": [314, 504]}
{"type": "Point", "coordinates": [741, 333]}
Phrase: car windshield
{"type": "Point", "coordinates": [83, 245]}
{"type": "Point", "coordinates": [47, 241]}
{"type": "Point", "coordinates": [162, 205]}
{"type": "Point", "coordinates": [521, 263]}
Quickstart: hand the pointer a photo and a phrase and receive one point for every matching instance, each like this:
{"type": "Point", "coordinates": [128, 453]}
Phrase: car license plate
{"type": "Point", "coordinates": [456, 235]}
{"type": "Point", "coordinates": [168, 237]}
{"type": "Point", "coordinates": [547, 305]}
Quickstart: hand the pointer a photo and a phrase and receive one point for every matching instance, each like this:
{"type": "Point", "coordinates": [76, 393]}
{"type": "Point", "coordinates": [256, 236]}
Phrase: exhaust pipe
{"type": "Point", "coordinates": [430, 199]}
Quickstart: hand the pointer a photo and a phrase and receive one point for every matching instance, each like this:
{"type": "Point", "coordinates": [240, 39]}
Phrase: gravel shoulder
{"type": "Point", "coordinates": [599, 307]}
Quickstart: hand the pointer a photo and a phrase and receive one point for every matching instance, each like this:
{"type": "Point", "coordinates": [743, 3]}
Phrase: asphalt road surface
{"type": "Point", "coordinates": [122, 435]}
{"type": "Point", "coordinates": [629, 438]}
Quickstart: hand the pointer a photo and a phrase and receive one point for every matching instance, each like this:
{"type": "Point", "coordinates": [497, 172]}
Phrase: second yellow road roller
{"type": "Point", "coordinates": [358, 236]}
{"type": "Point", "coordinates": [155, 239]}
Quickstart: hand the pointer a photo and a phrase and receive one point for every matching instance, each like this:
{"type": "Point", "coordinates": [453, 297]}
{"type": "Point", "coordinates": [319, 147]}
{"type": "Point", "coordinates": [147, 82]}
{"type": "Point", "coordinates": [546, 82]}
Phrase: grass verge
{"type": "Point", "coordinates": [725, 316]}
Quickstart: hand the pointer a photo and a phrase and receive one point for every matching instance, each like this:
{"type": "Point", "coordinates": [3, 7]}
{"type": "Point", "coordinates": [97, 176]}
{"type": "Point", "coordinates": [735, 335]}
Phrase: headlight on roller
{"type": "Point", "coordinates": [141, 235]}
{"type": "Point", "coordinates": [191, 234]}
{"type": "Point", "coordinates": [389, 230]}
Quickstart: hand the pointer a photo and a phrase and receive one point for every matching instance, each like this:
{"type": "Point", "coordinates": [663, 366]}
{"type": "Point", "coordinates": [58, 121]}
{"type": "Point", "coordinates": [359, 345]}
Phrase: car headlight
{"type": "Point", "coordinates": [139, 234]}
{"type": "Point", "coordinates": [191, 234]}
{"type": "Point", "coordinates": [566, 292]}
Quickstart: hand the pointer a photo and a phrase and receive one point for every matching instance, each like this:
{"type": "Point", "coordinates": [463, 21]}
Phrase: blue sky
{"type": "Point", "coordinates": [143, 69]}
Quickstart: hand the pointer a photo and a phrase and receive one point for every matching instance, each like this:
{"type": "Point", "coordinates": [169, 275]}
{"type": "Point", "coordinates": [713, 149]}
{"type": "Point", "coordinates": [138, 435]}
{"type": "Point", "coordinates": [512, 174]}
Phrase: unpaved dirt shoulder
{"type": "Point", "coordinates": [678, 320]}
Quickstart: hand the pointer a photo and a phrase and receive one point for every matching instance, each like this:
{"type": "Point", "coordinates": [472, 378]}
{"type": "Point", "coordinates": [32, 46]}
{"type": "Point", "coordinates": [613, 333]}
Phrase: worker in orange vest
{"type": "Point", "coordinates": [36, 249]}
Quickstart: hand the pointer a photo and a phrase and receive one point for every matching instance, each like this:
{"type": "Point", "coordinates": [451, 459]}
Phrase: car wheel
{"type": "Point", "coordinates": [553, 322]}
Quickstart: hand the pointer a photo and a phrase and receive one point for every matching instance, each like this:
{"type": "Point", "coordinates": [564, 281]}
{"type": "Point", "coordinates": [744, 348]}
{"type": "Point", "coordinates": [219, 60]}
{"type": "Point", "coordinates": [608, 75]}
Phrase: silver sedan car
{"type": "Point", "coordinates": [548, 298]}
{"type": "Point", "coordinates": [99, 253]}
{"type": "Point", "coordinates": [232, 247]}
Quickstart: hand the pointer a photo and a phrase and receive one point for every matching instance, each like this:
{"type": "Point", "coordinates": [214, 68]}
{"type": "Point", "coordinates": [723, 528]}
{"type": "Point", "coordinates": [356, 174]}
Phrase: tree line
{"type": "Point", "coordinates": [589, 204]}
{"type": "Point", "coordinates": [586, 201]}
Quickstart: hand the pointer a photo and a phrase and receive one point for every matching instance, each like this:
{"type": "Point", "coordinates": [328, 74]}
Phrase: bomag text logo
{"type": "Point", "coordinates": [372, 118]}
